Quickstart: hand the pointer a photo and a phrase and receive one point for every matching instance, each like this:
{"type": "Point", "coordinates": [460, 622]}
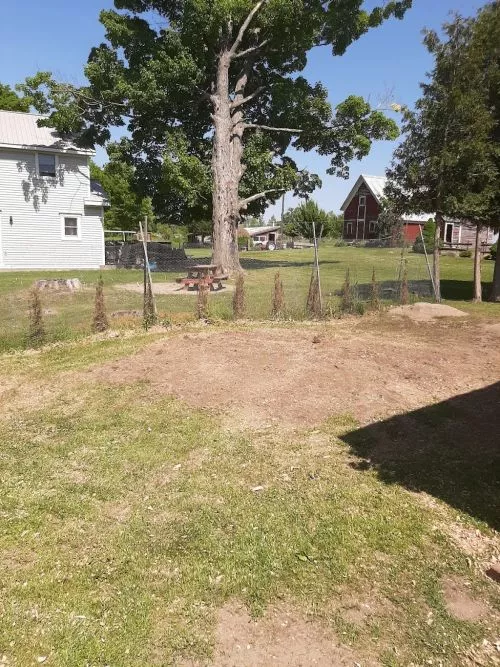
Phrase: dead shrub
{"type": "Point", "coordinates": [404, 292]}
{"type": "Point", "coordinates": [36, 330]}
{"type": "Point", "coordinates": [202, 303]}
{"type": "Point", "coordinates": [239, 297]}
{"type": "Point", "coordinates": [313, 306]}
{"type": "Point", "coordinates": [100, 320]}
{"type": "Point", "coordinates": [374, 292]}
{"type": "Point", "coordinates": [149, 315]}
{"type": "Point", "coordinates": [278, 301]}
{"type": "Point", "coordinates": [347, 296]}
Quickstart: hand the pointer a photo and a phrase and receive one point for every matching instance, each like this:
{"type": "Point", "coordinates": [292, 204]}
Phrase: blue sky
{"type": "Point", "coordinates": [57, 35]}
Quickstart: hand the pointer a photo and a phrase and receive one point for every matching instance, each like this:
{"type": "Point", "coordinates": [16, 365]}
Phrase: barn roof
{"type": "Point", "coordinates": [376, 185]}
{"type": "Point", "coordinates": [20, 130]}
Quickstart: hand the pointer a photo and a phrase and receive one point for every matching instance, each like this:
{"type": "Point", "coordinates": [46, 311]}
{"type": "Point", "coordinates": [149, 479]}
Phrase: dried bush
{"type": "Point", "coordinates": [36, 330]}
{"type": "Point", "coordinates": [278, 301]}
{"type": "Point", "coordinates": [347, 299]}
{"type": "Point", "coordinates": [239, 297]}
{"type": "Point", "coordinates": [374, 292]}
{"type": "Point", "coordinates": [202, 303]}
{"type": "Point", "coordinates": [404, 293]}
{"type": "Point", "coordinates": [149, 315]}
{"type": "Point", "coordinates": [313, 306]}
{"type": "Point", "coordinates": [100, 319]}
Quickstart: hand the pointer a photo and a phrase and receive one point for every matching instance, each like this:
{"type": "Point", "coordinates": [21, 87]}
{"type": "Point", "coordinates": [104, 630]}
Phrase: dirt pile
{"type": "Point", "coordinates": [426, 312]}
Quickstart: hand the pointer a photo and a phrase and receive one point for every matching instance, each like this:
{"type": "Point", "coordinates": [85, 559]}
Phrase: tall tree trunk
{"type": "Point", "coordinates": [436, 271]}
{"type": "Point", "coordinates": [495, 288]}
{"type": "Point", "coordinates": [225, 175]}
{"type": "Point", "coordinates": [477, 266]}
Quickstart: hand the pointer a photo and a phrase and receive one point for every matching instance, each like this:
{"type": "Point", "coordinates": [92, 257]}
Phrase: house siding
{"type": "Point", "coordinates": [34, 239]}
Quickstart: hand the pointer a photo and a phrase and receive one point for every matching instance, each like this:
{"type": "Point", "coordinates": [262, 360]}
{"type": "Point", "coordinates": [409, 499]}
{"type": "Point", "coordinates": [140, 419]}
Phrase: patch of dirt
{"type": "Point", "coordinates": [282, 638]}
{"type": "Point", "coordinates": [172, 288]}
{"type": "Point", "coordinates": [426, 312]}
{"type": "Point", "coordinates": [279, 376]}
{"type": "Point", "coordinates": [460, 603]}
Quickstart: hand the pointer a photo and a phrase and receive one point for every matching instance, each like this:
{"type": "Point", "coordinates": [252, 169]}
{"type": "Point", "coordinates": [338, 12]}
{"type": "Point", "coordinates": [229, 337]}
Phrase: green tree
{"type": "Point", "coordinates": [126, 206]}
{"type": "Point", "coordinates": [390, 226]}
{"type": "Point", "coordinates": [212, 96]}
{"type": "Point", "coordinates": [11, 101]}
{"type": "Point", "coordinates": [448, 163]}
{"type": "Point", "coordinates": [297, 222]}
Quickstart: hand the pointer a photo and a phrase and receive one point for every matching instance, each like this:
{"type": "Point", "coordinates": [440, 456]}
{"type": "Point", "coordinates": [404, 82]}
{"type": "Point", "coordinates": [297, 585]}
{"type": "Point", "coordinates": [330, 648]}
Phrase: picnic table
{"type": "Point", "coordinates": [203, 275]}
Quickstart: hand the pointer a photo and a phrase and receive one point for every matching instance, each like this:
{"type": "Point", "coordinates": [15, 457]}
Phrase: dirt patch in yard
{"type": "Point", "coordinates": [460, 603]}
{"type": "Point", "coordinates": [267, 376]}
{"type": "Point", "coordinates": [282, 638]}
{"type": "Point", "coordinates": [171, 288]}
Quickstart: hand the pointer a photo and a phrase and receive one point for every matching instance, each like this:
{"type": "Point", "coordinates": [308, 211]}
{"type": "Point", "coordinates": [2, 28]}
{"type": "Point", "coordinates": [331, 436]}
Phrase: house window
{"type": "Point", "coordinates": [348, 228]}
{"type": "Point", "coordinates": [71, 227]}
{"type": "Point", "coordinates": [46, 164]}
{"type": "Point", "coordinates": [372, 228]}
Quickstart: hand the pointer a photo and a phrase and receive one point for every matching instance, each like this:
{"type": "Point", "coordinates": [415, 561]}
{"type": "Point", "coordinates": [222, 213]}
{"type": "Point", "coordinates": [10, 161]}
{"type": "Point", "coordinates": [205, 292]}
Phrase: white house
{"type": "Point", "coordinates": [50, 216]}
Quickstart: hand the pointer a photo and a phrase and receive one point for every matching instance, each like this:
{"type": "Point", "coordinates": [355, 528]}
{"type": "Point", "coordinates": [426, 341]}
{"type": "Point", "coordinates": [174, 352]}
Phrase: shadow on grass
{"type": "Point", "coordinates": [255, 263]}
{"type": "Point", "coordinates": [462, 290]}
{"type": "Point", "coordinates": [450, 450]}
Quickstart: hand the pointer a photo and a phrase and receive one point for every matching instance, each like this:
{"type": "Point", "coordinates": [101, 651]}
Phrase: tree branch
{"type": "Point", "coordinates": [269, 128]}
{"type": "Point", "coordinates": [243, 100]}
{"type": "Point", "coordinates": [244, 202]}
{"type": "Point", "coordinates": [251, 49]}
{"type": "Point", "coordinates": [244, 26]}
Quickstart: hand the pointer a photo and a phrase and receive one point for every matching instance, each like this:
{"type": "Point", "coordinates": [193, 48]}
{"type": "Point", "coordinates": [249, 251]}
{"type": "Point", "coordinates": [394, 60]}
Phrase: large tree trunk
{"type": "Point", "coordinates": [225, 174]}
{"type": "Point", "coordinates": [436, 271]}
{"type": "Point", "coordinates": [495, 288]}
{"type": "Point", "coordinates": [477, 266]}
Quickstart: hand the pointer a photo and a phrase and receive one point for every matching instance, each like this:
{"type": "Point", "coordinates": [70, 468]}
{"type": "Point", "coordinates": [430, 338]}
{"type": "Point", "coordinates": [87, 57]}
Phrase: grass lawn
{"type": "Point", "coordinates": [70, 314]}
{"type": "Point", "coordinates": [127, 519]}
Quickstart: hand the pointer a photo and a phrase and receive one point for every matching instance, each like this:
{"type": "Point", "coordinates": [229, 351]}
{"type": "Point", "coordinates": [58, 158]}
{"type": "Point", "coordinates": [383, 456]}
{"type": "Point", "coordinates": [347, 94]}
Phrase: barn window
{"type": "Point", "coordinates": [361, 207]}
{"type": "Point", "coordinates": [372, 226]}
{"type": "Point", "coordinates": [348, 228]}
{"type": "Point", "coordinates": [46, 164]}
{"type": "Point", "coordinates": [71, 227]}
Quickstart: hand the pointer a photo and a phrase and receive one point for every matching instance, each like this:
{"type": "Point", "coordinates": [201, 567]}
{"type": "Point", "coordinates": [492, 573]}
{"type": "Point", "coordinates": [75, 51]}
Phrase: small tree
{"type": "Point", "coordinates": [100, 320]}
{"type": "Point", "coordinates": [347, 302]}
{"type": "Point", "coordinates": [313, 306]}
{"type": "Point", "coordinates": [36, 331]}
{"type": "Point", "coordinates": [404, 296]}
{"type": "Point", "coordinates": [278, 303]}
{"type": "Point", "coordinates": [239, 297]}
{"type": "Point", "coordinates": [202, 303]}
{"type": "Point", "coordinates": [390, 227]}
{"type": "Point", "coordinates": [374, 292]}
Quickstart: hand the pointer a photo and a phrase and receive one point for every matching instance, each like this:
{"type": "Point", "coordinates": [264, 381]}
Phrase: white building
{"type": "Point", "coordinates": [50, 217]}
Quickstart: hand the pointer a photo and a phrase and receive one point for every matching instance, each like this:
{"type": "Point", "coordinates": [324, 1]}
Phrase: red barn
{"type": "Point", "coordinates": [363, 205]}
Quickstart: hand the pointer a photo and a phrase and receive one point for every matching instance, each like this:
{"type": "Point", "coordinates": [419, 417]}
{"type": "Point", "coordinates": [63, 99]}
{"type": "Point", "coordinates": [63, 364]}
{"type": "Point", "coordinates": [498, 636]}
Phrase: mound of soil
{"type": "Point", "coordinates": [426, 312]}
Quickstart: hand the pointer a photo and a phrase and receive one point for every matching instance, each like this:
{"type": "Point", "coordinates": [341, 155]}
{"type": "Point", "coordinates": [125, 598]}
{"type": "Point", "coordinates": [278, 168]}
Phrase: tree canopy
{"type": "Point", "coordinates": [126, 206]}
{"type": "Point", "coordinates": [212, 96]}
{"type": "Point", "coordinates": [11, 101]}
{"type": "Point", "coordinates": [298, 222]}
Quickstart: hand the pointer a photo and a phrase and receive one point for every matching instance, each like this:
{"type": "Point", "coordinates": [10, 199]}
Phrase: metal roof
{"type": "Point", "coordinates": [255, 231]}
{"type": "Point", "coordinates": [20, 130]}
{"type": "Point", "coordinates": [376, 185]}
